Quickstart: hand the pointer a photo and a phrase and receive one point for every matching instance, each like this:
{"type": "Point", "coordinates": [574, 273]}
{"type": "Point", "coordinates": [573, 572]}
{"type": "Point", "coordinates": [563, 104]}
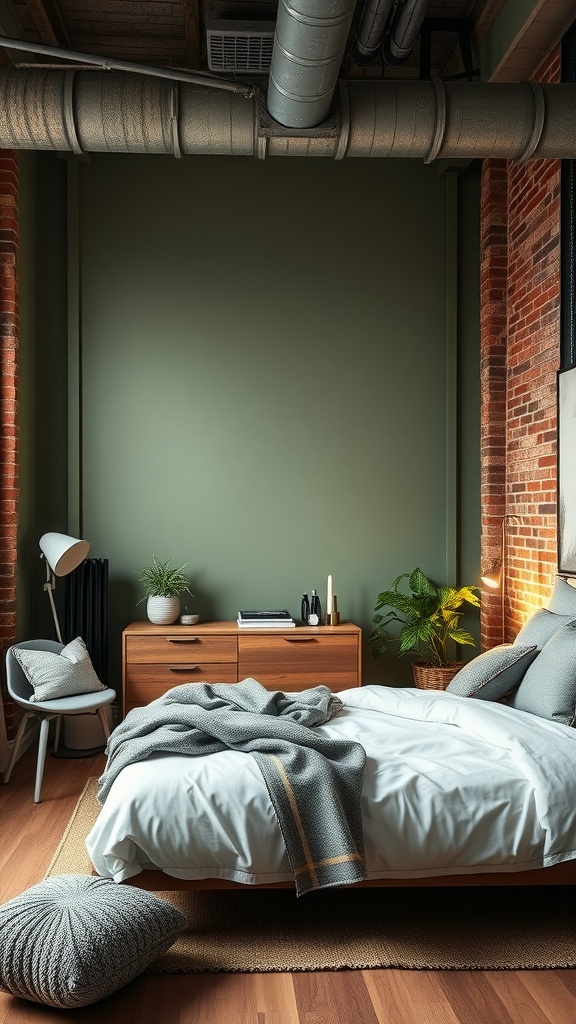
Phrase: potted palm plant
{"type": "Point", "coordinates": [429, 620]}
{"type": "Point", "coordinates": [163, 585]}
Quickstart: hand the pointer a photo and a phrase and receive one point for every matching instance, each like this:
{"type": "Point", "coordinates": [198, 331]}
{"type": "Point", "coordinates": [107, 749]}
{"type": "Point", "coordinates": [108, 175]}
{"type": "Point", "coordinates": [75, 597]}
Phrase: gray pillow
{"type": "Point", "coordinates": [541, 626]}
{"type": "Point", "coordinates": [549, 687]}
{"type": "Point", "coordinates": [59, 675]}
{"type": "Point", "coordinates": [563, 599]}
{"type": "Point", "coordinates": [74, 939]}
{"type": "Point", "coordinates": [494, 673]}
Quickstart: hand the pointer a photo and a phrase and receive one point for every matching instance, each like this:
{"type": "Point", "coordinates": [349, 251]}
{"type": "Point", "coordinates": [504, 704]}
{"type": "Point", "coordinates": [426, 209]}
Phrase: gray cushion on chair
{"type": "Point", "coordinates": [58, 675]}
{"type": "Point", "coordinates": [74, 939]}
{"type": "Point", "coordinates": [549, 687]}
{"type": "Point", "coordinates": [541, 626]}
{"type": "Point", "coordinates": [494, 673]}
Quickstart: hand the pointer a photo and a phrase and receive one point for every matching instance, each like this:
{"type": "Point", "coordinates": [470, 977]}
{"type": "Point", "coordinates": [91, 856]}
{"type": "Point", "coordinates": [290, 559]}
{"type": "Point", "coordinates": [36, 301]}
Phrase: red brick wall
{"type": "Point", "coordinates": [8, 400]}
{"type": "Point", "coordinates": [520, 355]}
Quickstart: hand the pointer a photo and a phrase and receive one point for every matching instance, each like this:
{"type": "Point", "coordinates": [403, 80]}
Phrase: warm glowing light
{"type": "Point", "coordinates": [493, 575]}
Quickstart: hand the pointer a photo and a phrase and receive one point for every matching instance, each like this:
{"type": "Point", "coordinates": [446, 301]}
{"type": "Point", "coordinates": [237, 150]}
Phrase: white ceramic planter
{"type": "Point", "coordinates": [163, 611]}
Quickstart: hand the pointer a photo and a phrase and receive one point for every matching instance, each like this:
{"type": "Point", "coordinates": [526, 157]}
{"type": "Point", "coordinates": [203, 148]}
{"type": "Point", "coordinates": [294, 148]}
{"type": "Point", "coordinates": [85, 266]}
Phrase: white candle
{"type": "Point", "coordinates": [329, 597]}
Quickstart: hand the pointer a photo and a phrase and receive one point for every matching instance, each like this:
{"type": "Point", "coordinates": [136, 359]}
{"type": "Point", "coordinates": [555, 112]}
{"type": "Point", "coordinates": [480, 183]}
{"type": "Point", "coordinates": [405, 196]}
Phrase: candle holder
{"type": "Point", "coordinates": [333, 615]}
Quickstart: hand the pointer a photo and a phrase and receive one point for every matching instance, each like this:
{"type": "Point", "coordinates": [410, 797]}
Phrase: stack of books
{"type": "Point", "coordinates": [265, 619]}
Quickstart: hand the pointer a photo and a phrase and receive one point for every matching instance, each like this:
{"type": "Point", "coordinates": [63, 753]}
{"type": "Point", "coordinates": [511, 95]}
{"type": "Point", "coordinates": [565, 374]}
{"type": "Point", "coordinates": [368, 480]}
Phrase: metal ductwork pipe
{"type": "Point", "coordinates": [118, 112]}
{"type": "Point", "coordinates": [309, 45]}
{"type": "Point", "coordinates": [402, 35]}
{"type": "Point", "coordinates": [371, 28]}
{"type": "Point", "coordinates": [460, 120]}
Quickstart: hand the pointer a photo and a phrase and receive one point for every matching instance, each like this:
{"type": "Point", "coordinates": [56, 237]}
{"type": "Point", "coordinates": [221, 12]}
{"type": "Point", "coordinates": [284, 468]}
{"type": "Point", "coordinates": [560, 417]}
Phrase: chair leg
{"type": "Point", "coordinates": [104, 720]}
{"type": "Point", "coordinates": [16, 746]}
{"type": "Point", "coordinates": [57, 732]}
{"type": "Point", "coordinates": [44, 727]}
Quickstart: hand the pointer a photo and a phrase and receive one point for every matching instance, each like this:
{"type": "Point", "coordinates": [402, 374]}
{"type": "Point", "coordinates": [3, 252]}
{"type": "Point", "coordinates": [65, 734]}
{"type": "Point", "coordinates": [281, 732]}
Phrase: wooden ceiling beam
{"type": "Point", "coordinates": [49, 22]}
{"type": "Point", "coordinates": [191, 12]}
{"type": "Point", "coordinates": [481, 14]}
{"type": "Point", "coordinates": [9, 28]}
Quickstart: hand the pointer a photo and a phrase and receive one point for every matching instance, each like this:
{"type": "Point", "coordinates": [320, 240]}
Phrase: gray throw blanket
{"type": "Point", "coordinates": [314, 782]}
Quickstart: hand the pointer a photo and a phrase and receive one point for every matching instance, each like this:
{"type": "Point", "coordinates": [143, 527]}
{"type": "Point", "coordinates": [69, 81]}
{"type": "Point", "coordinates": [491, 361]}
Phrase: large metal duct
{"type": "Point", "coordinates": [119, 112]}
{"type": "Point", "coordinates": [403, 31]}
{"type": "Point", "coordinates": [390, 25]}
{"type": "Point", "coordinates": [309, 45]}
{"type": "Point", "coordinates": [370, 31]}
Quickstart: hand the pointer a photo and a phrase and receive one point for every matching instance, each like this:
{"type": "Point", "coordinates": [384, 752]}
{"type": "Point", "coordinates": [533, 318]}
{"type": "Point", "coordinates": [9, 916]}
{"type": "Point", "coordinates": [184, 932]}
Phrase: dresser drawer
{"type": "Point", "coordinates": [298, 662]}
{"type": "Point", "coordinates": [157, 658]}
{"type": "Point", "coordinates": [180, 648]}
{"type": "Point", "coordinates": [147, 682]}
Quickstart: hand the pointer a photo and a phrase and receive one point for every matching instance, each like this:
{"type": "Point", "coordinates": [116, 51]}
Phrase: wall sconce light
{"type": "Point", "coordinates": [492, 578]}
{"type": "Point", "coordinates": [495, 575]}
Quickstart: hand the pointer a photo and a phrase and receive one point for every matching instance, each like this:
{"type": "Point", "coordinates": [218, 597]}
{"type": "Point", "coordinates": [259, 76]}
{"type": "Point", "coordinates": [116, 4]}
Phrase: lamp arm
{"type": "Point", "coordinates": [503, 587]}
{"type": "Point", "coordinates": [49, 587]}
{"type": "Point", "coordinates": [505, 520]}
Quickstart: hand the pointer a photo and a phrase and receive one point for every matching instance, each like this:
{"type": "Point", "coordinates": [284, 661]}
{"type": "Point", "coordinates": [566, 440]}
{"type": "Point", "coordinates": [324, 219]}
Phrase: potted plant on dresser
{"type": "Point", "coordinates": [429, 620]}
{"type": "Point", "coordinates": [163, 585]}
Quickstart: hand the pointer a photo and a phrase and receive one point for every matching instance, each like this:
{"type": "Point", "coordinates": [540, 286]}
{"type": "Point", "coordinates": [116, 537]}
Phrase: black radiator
{"type": "Point", "coordinates": [86, 611]}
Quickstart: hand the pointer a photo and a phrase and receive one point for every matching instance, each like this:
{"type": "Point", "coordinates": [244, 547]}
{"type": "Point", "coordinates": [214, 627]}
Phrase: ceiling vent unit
{"type": "Point", "coordinates": [244, 46]}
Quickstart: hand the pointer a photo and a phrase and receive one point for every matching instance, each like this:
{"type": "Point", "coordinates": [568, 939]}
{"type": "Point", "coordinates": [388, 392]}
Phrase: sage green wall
{"type": "Point", "coordinates": [264, 379]}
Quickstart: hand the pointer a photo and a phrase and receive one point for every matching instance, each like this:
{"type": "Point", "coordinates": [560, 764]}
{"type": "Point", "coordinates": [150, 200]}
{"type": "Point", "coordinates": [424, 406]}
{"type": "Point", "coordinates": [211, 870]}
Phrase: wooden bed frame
{"type": "Point", "coordinates": [559, 874]}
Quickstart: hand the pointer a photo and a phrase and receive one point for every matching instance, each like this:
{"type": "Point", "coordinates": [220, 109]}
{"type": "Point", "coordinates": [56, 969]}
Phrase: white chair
{"type": "Point", "coordinates": [21, 690]}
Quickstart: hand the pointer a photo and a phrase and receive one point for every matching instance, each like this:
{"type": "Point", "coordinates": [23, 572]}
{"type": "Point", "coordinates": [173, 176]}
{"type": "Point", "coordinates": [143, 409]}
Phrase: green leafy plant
{"type": "Point", "coordinates": [429, 618]}
{"type": "Point", "coordinates": [162, 580]}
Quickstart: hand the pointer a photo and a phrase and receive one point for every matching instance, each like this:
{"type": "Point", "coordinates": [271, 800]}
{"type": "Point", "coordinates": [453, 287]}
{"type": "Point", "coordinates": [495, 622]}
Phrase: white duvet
{"type": "Point", "coordinates": [452, 785]}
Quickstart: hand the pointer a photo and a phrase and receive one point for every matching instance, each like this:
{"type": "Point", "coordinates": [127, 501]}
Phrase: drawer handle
{"type": "Point", "coordinates": [182, 639]}
{"type": "Point", "coordinates": [300, 639]}
{"type": "Point", "coordinates": [182, 668]}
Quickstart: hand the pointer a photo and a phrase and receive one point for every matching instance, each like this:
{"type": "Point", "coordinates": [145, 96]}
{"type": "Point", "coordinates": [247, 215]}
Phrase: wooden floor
{"type": "Point", "coordinates": [29, 834]}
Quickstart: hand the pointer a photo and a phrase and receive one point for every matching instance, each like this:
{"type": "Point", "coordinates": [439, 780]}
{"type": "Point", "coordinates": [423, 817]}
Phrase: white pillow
{"type": "Point", "coordinates": [59, 675]}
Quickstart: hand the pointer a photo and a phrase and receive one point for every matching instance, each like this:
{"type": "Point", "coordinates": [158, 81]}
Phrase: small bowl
{"type": "Point", "coordinates": [189, 620]}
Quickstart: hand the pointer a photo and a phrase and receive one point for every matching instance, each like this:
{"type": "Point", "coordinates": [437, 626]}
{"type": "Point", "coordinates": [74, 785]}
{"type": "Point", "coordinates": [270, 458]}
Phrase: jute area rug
{"type": "Point", "coordinates": [426, 929]}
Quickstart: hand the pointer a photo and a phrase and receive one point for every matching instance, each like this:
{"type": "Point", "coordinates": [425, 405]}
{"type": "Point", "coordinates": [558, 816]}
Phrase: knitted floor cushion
{"type": "Point", "coordinates": [72, 940]}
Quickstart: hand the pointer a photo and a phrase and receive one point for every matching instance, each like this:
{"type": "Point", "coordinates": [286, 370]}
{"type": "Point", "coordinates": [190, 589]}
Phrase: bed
{"type": "Point", "coordinates": [455, 792]}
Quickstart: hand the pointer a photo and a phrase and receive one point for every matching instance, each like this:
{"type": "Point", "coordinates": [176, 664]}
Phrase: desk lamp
{"type": "Point", "coordinates": [63, 554]}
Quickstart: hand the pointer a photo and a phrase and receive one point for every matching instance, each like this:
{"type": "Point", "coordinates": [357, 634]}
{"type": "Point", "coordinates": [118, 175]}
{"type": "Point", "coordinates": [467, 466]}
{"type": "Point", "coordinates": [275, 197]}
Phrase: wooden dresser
{"type": "Point", "coordinates": [156, 658]}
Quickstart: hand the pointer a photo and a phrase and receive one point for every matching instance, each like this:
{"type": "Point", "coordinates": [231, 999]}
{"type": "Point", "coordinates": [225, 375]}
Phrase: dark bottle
{"type": "Point", "coordinates": [304, 609]}
{"type": "Point", "coordinates": [315, 610]}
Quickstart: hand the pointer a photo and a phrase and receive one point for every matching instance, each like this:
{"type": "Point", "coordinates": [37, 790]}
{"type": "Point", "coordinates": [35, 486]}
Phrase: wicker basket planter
{"type": "Point", "coordinates": [430, 677]}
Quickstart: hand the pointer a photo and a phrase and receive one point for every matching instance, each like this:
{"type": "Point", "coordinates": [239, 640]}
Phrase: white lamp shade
{"type": "Point", "coordinates": [63, 553]}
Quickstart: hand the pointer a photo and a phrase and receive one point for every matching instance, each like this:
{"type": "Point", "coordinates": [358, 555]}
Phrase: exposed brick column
{"type": "Point", "coordinates": [493, 335]}
{"type": "Point", "coordinates": [8, 401]}
{"type": "Point", "coordinates": [520, 355]}
{"type": "Point", "coordinates": [533, 361]}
